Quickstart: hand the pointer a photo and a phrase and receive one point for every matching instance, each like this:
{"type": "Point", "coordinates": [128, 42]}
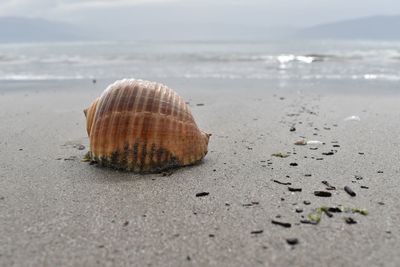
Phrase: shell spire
{"type": "Point", "coordinates": [143, 126]}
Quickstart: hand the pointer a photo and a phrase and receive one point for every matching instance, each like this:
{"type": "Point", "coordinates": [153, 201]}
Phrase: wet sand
{"type": "Point", "coordinates": [58, 211]}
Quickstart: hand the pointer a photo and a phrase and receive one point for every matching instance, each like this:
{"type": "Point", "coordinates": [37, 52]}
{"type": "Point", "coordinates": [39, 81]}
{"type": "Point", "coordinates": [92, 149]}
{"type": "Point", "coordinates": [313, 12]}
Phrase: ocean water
{"type": "Point", "coordinates": [297, 60]}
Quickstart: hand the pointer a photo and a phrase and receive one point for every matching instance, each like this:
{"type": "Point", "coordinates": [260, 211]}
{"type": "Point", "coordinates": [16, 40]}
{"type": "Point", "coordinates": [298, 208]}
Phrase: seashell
{"type": "Point", "coordinates": [143, 126]}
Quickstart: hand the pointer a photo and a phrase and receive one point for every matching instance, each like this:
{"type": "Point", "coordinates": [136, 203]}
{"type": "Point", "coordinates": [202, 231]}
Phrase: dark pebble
{"type": "Point", "coordinates": [282, 183]}
{"type": "Point", "coordinates": [364, 187]}
{"type": "Point", "coordinates": [307, 175]}
{"type": "Point", "coordinates": [292, 241]}
{"type": "Point", "coordinates": [360, 153]}
{"type": "Point", "coordinates": [211, 235]}
{"type": "Point", "coordinates": [20, 149]}
{"type": "Point", "coordinates": [358, 177]}
{"type": "Point", "coordinates": [322, 194]}
{"type": "Point", "coordinates": [293, 164]}
{"type": "Point", "coordinates": [188, 258]}
{"type": "Point", "coordinates": [330, 153]}
{"type": "Point", "coordinates": [381, 203]}
{"type": "Point", "coordinates": [380, 171]}
{"type": "Point", "coordinates": [286, 225]}
{"type": "Point", "coordinates": [126, 223]}
{"type": "Point", "coordinates": [202, 194]}
{"type": "Point", "coordinates": [306, 202]}
{"type": "Point", "coordinates": [329, 186]}
{"type": "Point", "coordinates": [350, 220]}
{"type": "Point", "coordinates": [334, 209]}
{"type": "Point", "coordinates": [257, 232]}
{"type": "Point", "coordinates": [293, 189]}
{"type": "Point", "coordinates": [81, 147]}
{"type": "Point", "coordinates": [308, 222]}
{"type": "Point", "coordinates": [336, 145]}
{"type": "Point", "coordinates": [299, 210]}
{"type": "Point", "coordinates": [200, 104]}
{"type": "Point", "coordinates": [292, 129]}
{"type": "Point", "coordinates": [349, 191]}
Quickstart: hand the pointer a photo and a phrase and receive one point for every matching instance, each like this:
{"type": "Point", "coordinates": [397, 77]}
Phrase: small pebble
{"type": "Point", "coordinates": [293, 164]}
{"type": "Point", "coordinates": [292, 129]}
{"type": "Point", "coordinates": [257, 232]}
{"type": "Point", "coordinates": [349, 191]}
{"type": "Point", "coordinates": [292, 241]}
{"type": "Point", "coordinates": [350, 220]}
{"type": "Point", "coordinates": [322, 194]}
{"type": "Point", "coordinates": [286, 225]}
{"type": "Point", "coordinates": [202, 194]}
{"type": "Point", "coordinates": [306, 202]}
{"type": "Point", "coordinates": [293, 189]}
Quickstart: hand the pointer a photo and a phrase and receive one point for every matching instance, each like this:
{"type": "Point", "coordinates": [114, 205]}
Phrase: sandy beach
{"type": "Point", "coordinates": [56, 210]}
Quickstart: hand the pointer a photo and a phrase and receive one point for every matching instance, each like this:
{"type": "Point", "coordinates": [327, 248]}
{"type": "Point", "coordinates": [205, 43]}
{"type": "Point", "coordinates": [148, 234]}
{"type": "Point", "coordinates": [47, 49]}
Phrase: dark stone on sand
{"type": "Point", "coordinates": [306, 202]}
{"type": "Point", "coordinates": [293, 164]}
{"type": "Point", "coordinates": [364, 187]}
{"type": "Point", "coordinates": [292, 129]}
{"type": "Point", "coordinates": [322, 194]}
{"type": "Point", "coordinates": [81, 147]}
{"type": "Point", "coordinates": [299, 210]}
{"type": "Point", "coordinates": [330, 153]}
{"type": "Point", "coordinates": [328, 185]}
{"type": "Point", "coordinates": [126, 223]}
{"type": "Point", "coordinates": [379, 171]}
{"type": "Point", "coordinates": [292, 241]}
{"type": "Point", "coordinates": [358, 177]}
{"type": "Point", "coordinates": [350, 220]}
{"type": "Point", "coordinates": [202, 194]}
{"type": "Point", "coordinates": [257, 232]}
{"type": "Point", "coordinates": [308, 222]}
{"type": "Point", "coordinates": [286, 225]}
{"type": "Point", "coordinates": [349, 191]}
{"type": "Point", "coordinates": [293, 189]}
{"type": "Point", "coordinates": [334, 209]}
{"type": "Point", "coordinates": [200, 104]}
{"type": "Point", "coordinates": [307, 175]}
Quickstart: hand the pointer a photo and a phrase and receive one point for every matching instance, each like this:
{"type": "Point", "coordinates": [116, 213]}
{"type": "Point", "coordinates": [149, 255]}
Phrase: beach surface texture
{"type": "Point", "coordinates": [257, 199]}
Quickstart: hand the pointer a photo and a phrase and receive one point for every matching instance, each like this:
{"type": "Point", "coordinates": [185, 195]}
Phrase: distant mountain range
{"type": "Point", "coordinates": [378, 27]}
{"type": "Point", "coordinates": [13, 29]}
{"type": "Point", "coordinates": [16, 29]}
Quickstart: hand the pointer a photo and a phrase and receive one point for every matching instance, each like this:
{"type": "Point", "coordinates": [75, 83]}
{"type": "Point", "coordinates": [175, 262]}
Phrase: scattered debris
{"type": "Point", "coordinates": [280, 155]}
{"type": "Point", "coordinates": [292, 241]}
{"type": "Point", "coordinates": [315, 218]}
{"type": "Point", "coordinates": [300, 143]}
{"type": "Point", "coordinates": [350, 220]}
{"type": "Point", "coordinates": [86, 158]}
{"type": "Point", "coordinates": [293, 189]}
{"type": "Point", "coordinates": [322, 194]}
{"type": "Point", "coordinates": [328, 185]}
{"type": "Point", "coordinates": [81, 147]}
{"type": "Point", "coordinates": [352, 118]}
{"type": "Point", "coordinates": [314, 142]}
{"type": "Point", "coordinates": [349, 191]}
{"type": "Point", "coordinates": [286, 225]}
{"type": "Point", "coordinates": [282, 183]}
{"type": "Point", "coordinates": [202, 194]}
{"type": "Point", "coordinates": [359, 210]}
{"type": "Point", "coordinates": [257, 232]}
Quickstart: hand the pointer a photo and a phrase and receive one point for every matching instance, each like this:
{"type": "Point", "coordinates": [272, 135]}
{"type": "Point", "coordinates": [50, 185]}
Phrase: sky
{"type": "Point", "coordinates": [186, 16]}
{"type": "Point", "coordinates": [268, 12]}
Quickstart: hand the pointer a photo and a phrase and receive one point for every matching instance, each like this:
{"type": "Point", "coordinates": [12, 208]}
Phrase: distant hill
{"type": "Point", "coordinates": [13, 29]}
{"type": "Point", "coordinates": [377, 27]}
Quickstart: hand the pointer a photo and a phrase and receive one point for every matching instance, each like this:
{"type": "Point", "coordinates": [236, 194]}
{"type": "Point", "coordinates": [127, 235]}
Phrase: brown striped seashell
{"type": "Point", "coordinates": [143, 126]}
